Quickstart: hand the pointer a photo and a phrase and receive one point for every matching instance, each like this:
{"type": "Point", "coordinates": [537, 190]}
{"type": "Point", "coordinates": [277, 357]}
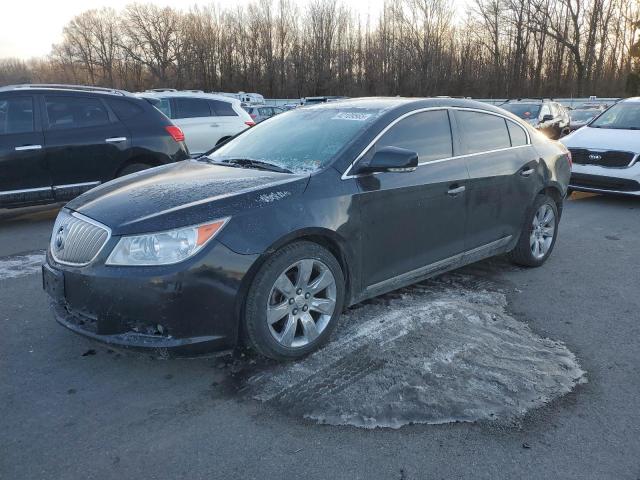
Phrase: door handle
{"type": "Point", "coordinates": [526, 172]}
{"type": "Point", "coordinates": [115, 139]}
{"type": "Point", "coordinates": [456, 190]}
{"type": "Point", "coordinates": [28, 147]}
{"type": "Point", "coordinates": [214, 125]}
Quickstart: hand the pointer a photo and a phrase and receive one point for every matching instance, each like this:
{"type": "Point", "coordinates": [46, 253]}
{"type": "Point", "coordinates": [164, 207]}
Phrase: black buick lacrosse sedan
{"type": "Point", "coordinates": [268, 238]}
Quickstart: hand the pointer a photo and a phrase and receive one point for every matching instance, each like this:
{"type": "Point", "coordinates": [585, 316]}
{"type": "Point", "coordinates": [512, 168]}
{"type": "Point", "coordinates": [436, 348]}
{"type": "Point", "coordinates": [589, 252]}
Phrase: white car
{"type": "Point", "coordinates": [205, 119]}
{"type": "Point", "coordinates": [605, 151]}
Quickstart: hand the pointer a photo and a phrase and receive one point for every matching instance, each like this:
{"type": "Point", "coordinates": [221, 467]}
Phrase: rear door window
{"type": "Point", "coordinates": [483, 132]}
{"type": "Point", "coordinates": [427, 133]}
{"type": "Point", "coordinates": [191, 107]}
{"type": "Point", "coordinates": [16, 115]}
{"type": "Point", "coordinates": [65, 112]}
{"type": "Point", "coordinates": [222, 109]}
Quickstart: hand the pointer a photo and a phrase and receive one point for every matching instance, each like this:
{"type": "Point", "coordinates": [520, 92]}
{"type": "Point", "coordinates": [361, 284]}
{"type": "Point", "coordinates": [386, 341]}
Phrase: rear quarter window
{"type": "Point", "coordinates": [483, 132]}
{"type": "Point", "coordinates": [222, 109]}
{"type": "Point", "coordinates": [517, 134]}
{"type": "Point", "coordinates": [124, 109]}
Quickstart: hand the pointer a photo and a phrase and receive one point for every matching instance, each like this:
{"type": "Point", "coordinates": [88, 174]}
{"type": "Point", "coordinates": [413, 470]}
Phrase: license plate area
{"type": "Point", "coordinates": [53, 282]}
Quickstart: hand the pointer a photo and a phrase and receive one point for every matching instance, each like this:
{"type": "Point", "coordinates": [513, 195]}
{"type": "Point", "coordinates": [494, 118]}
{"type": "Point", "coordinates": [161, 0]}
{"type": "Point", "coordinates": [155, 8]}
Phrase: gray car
{"type": "Point", "coordinates": [260, 113]}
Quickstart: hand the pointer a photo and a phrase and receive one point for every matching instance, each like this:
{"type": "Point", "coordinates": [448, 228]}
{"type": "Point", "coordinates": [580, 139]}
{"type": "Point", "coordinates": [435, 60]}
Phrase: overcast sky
{"type": "Point", "coordinates": [30, 27]}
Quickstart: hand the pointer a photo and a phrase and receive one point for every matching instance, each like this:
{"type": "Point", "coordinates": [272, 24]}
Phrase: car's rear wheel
{"type": "Point", "coordinates": [294, 301]}
{"type": "Point", "coordinates": [539, 233]}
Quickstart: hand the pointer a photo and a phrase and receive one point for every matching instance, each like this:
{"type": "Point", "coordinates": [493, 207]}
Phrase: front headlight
{"type": "Point", "coordinates": [164, 248]}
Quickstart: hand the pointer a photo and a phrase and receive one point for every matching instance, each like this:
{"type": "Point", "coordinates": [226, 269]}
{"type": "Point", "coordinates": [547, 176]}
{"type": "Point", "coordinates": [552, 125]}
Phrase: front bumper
{"type": "Point", "coordinates": [594, 178]}
{"type": "Point", "coordinates": [183, 309]}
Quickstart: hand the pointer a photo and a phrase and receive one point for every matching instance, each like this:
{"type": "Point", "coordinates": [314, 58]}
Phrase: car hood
{"type": "Point", "coordinates": [604, 139]}
{"type": "Point", "coordinates": [181, 194]}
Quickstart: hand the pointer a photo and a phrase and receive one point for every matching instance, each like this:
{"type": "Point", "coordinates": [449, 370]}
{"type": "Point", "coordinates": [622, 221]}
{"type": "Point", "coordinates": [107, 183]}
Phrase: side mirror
{"type": "Point", "coordinates": [547, 118]}
{"type": "Point", "coordinates": [391, 159]}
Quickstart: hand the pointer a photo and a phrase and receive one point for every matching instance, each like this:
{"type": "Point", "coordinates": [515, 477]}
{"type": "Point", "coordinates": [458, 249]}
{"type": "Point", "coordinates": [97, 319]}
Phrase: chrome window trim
{"type": "Point", "coordinates": [92, 222]}
{"type": "Point", "coordinates": [346, 175]}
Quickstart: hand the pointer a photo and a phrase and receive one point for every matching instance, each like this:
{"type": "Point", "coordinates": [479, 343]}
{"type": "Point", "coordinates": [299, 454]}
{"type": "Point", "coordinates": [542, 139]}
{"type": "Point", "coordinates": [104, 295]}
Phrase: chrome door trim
{"type": "Point", "coordinates": [75, 185]}
{"type": "Point", "coordinates": [25, 190]}
{"type": "Point", "coordinates": [25, 148]}
{"type": "Point", "coordinates": [415, 275]}
{"type": "Point", "coordinates": [346, 175]}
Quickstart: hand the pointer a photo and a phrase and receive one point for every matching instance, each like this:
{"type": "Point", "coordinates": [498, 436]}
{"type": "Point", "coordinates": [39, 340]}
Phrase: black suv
{"type": "Point", "coordinates": [547, 116]}
{"type": "Point", "coordinates": [57, 141]}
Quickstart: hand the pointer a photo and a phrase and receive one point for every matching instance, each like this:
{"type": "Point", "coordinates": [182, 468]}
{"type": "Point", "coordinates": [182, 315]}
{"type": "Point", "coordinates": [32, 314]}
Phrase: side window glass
{"type": "Point", "coordinates": [427, 133]}
{"type": "Point", "coordinates": [483, 131]}
{"type": "Point", "coordinates": [222, 109]}
{"type": "Point", "coordinates": [75, 112]}
{"type": "Point", "coordinates": [517, 134]}
{"type": "Point", "coordinates": [124, 109]}
{"type": "Point", "coordinates": [191, 108]}
{"type": "Point", "coordinates": [16, 115]}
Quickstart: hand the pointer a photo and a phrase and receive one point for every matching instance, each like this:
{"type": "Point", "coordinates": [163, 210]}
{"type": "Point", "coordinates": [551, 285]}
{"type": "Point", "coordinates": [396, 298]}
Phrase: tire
{"type": "Point", "coordinates": [278, 314]}
{"type": "Point", "coordinates": [133, 168]}
{"type": "Point", "coordinates": [534, 245]}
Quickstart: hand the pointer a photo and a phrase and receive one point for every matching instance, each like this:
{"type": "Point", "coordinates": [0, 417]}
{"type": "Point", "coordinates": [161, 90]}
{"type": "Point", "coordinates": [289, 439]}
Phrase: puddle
{"type": "Point", "coordinates": [442, 351]}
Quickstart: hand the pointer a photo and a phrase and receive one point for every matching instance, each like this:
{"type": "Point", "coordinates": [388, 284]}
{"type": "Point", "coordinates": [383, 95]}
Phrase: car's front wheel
{"type": "Point", "coordinates": [539, 233]}
{"type": "Point", "coordinates": [294, 301]}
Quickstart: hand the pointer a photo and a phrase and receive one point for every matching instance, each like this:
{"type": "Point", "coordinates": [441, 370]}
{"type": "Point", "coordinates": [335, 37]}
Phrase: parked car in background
{"type": "Point", "coordinates": [582, 116]}
{"type": "Point", "coordinates": [269, 237]}
{"type": "Point", "coordinates": [206, 119]}
{"type": "Point", "coordinates": [547, 116]}
{"type": "Point", "coordinates": [605, 152]}
{"type": "Point", "coordinates": [246, 98]}
{"type": "Point", "coordinates": [258, 113]}
{"type": "Point", "coordinates": [57, 141]}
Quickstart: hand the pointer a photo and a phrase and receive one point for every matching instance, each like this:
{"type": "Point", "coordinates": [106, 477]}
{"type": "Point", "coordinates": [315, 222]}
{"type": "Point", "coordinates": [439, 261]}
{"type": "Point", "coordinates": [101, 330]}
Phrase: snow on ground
{"type": "Point", "coordinates": [21, 265]}
{"type": "Point", "coordinates": [442, 351]}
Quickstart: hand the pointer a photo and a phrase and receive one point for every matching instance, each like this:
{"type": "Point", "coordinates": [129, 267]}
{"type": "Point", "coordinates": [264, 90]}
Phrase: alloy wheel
{"type": "Point", "coordinates": [301, 303]}
{"type": "Point", "coordinates": [543, 231]}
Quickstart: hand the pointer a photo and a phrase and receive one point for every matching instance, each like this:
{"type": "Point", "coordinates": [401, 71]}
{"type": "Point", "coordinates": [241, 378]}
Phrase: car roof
{"type": "Point", "coordinates": [408, 104]}
{"type": "Point", "coordinates": [210, 96]}
{"type": "Point", "coordinates": [46, 87]}
{"type": "Point", "coordinates": [631, 100]}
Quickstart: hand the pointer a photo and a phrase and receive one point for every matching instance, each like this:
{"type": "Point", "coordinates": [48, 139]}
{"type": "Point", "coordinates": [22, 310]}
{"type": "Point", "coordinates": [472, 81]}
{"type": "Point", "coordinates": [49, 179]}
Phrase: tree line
{"type": "Point", "coordinates": [499, 48]}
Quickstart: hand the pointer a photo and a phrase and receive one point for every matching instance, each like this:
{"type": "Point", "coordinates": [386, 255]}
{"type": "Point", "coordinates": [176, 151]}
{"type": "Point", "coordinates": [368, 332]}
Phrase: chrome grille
{"type": "Point", "coordinates": [76, 239]}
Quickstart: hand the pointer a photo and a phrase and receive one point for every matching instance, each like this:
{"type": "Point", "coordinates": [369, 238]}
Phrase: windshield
{"type": "Point", "coordinates": [526, 111]}
{"type": "Point", "coordinates": [624, 116]}
{"type": "Point", "coordinates": [302, 140]}
{"type": "Point", "coordinates": [583, 115]}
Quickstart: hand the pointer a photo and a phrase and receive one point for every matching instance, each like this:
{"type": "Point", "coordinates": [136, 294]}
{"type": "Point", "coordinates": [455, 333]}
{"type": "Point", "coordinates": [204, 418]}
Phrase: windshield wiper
{"type": "Point", "coordinates": [257, 164]}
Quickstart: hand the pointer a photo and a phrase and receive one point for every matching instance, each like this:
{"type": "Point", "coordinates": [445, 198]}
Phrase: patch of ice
{"type": "Point", "coordinates": [273, 196]}
{"type": "Point", "coordinates": [21, 265]}
{"type": "Point", "coordinates": [442, 351]}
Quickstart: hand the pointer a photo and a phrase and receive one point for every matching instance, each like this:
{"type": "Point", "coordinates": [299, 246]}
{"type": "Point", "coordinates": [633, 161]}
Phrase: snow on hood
{"type": "Point", "coordinates": [178, 194]}
{"type": "Point", "coordinates": [604, 139]}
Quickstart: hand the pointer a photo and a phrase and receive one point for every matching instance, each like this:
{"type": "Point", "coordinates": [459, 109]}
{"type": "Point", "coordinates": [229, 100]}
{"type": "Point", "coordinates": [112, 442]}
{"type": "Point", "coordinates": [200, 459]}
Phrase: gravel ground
{"type": "Point", "coordinates": [489, 372]}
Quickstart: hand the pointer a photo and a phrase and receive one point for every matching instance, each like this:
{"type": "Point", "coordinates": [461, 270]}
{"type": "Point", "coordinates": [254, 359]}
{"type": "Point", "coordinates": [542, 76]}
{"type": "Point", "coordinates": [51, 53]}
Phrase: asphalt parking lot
{"type": "Point", "coordinates": [555, 394]}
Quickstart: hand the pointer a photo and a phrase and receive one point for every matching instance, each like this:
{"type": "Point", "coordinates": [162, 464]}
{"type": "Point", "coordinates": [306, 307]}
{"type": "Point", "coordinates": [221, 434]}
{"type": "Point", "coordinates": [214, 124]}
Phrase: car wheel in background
{"type": "Point", "coordinates": [294, 301]}
{"type": "Point", "coordinates": [539, 233]}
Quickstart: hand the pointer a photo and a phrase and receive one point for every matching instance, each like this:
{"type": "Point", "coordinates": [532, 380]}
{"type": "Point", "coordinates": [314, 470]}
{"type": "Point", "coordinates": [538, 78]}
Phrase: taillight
{"type": "Point", "coordinates": [175, 133]}
{"type": "Point", "coordinates": [253, 116]}
{"type": "Point", "coordinates": [249, 124]}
